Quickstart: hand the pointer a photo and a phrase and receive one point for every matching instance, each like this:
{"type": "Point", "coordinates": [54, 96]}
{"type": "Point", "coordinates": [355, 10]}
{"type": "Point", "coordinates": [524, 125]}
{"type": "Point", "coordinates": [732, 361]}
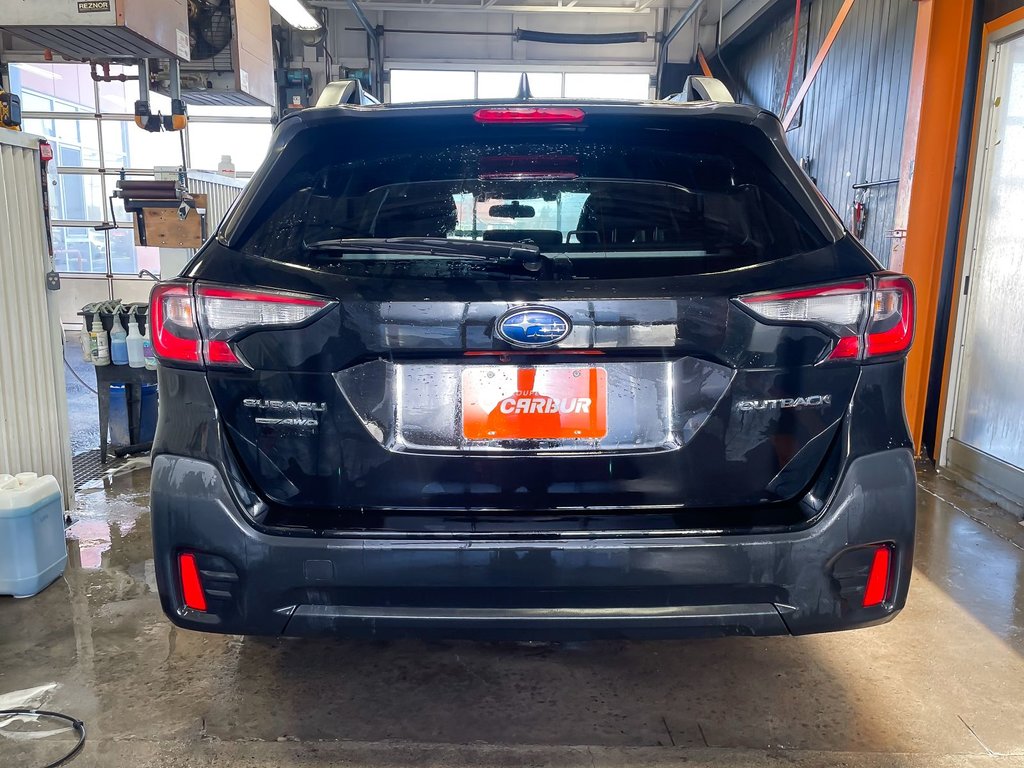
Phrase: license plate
{"type": "Point", "coordinates": [539, 403]}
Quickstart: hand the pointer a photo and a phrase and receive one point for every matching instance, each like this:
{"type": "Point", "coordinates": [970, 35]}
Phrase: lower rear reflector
{"type": "Point", "coordinates": [877, 589]}
{"type": "Point", "coordinates": [191, 586]}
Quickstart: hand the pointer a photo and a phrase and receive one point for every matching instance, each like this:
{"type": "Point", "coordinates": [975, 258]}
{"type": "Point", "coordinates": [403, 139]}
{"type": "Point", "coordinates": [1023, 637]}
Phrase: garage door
{"type": "Point", "coordinates": [987, 438]}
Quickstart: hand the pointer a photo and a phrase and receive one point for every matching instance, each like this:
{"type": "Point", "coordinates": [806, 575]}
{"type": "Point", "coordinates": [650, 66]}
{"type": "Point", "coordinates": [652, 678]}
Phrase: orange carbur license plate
{"type": "Point", "coordinates": [539, 403]}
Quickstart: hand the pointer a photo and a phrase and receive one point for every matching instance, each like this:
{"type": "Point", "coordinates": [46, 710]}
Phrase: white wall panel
{"type": "Point", "coordinates": [486, 39]}
{"type": "Point", "coordinates": [75, 293]}
{"type": "Point", "coordinates": [34, 435]}
{"type": "Point", "coordinates": [132, 290]}
{"type": "Point", "coordinates": [466, 43]}
{"type": "Point", "coordinates": [346, 38]}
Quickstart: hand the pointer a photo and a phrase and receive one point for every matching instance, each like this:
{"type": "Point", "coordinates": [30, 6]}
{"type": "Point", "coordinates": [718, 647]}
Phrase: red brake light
{"type": "Point", "coordinates": [877, 589]}
{"type": "Point", "coordinates": [847, 348]}
{"type": "Point", "coordinates": [871, 318]}
{"type": "Point", "coordinates": [201, 329]}
{"type": "Point", "coordinates": [220, 352]}
{"type": "Point", "coordinates": [172, 320]}
{"type": "Point", "coordinates": [191, 586]}
{"type": "Point", "coordinates": [891, 327]}
{"type": "Point", "coordinates": [529, 115]}
{"type": "Point", "coordinates": [235, 294]}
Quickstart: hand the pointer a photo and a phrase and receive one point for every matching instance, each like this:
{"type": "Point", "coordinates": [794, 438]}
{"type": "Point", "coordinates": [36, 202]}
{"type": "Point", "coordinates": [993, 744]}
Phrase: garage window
{"type": "Point", "coordinates": [91, 128]}
{"type": "Point", "coordinates": [409, 85]}
{"type": "Point", "coordinates": [601, 85]}
{"type": "Point", "coordinates": [497, 85]}
{"type": "Point", "coordinates": [413, 85]}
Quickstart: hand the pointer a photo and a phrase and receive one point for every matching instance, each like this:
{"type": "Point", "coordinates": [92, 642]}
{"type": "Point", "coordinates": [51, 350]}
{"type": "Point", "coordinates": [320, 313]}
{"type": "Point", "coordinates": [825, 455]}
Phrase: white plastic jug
{"type": "Point", "coordinates": [136, 344]}
{"type": "Point", "coordinates": [84, 340]}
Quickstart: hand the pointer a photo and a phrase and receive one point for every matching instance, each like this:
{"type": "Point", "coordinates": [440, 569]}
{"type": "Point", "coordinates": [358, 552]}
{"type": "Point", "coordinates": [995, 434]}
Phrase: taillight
{"type": "Point", "coordinates": [201, 328]}
{"type": "Point", "coordinates": [227, 313]}
{"type": "Point", "coordinates": [529, 115]}
{"type": "Point", "coordinates": [891, 325]}
{"type": "Point", "coordinates": [173, 330]}
{"type": "Point", "coordinates": [869, 318]}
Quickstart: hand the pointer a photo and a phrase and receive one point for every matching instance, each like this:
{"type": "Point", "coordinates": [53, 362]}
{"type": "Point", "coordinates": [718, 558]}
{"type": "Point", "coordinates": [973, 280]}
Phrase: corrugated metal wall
{"type": "Point", "coordinates": [34, 434]}
{"type": "Point", "coordinates": [851, 124]}
{"type": "Point", "coordinates": [220, 193]}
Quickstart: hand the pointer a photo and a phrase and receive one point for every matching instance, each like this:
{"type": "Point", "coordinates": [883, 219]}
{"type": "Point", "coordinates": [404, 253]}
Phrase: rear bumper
{"type": "Point", "coordinates": [545, 588]}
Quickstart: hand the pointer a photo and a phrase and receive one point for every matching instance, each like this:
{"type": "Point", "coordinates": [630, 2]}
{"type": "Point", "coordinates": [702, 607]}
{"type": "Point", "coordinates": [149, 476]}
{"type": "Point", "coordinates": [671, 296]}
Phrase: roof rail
{"type": "Point", "coordinates": [699, 88]}
{"type": "Point", "coordinates": [344, 92]}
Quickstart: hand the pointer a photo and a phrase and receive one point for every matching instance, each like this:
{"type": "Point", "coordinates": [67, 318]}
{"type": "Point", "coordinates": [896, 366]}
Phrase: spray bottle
{"type": "Point", "coordinates": [118, 341]}
{"type": "Point", "coordinates": [226, 167]}
{"type": "Point", "coordinates": [147, 350]}
{"type": "Point", "coordinates": [99, 343]}
{"type": "Point", "coordinates": [83, 335]}
{"type": "Point", "coordinates": [136, 355]}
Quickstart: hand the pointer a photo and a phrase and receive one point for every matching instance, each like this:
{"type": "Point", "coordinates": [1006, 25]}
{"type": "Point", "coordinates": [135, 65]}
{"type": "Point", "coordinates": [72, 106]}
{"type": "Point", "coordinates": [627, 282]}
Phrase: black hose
{"type": "Point", "coordinates": [127, 450]}
{"type": "Point", "coordinates": [76, 724]}
{"type": "Point", "coordinates": [563, 38]}
{"type": "Point", "coordinates": [64, 354]}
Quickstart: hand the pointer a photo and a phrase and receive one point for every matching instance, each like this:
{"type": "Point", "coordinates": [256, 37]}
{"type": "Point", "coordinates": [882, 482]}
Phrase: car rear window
{"type": "Point", "coordinates": [643, 204]}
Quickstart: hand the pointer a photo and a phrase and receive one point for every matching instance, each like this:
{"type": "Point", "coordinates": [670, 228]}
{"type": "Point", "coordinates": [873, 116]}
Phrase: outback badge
{"type": "Point", "coordinates": [811, 401]}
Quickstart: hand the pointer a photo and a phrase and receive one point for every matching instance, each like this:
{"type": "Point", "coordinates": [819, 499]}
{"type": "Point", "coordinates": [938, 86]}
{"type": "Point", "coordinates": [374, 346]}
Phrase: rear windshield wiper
{"type": "Point", "coordinates": [527, 254]}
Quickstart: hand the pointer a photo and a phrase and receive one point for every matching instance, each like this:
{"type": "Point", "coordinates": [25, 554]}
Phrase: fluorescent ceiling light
{"type": "Point", "coordinates": [295, 13]}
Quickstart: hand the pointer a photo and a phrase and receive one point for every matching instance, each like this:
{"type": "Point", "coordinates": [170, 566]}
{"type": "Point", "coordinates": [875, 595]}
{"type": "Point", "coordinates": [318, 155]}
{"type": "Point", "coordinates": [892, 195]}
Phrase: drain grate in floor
{"type": "Point", "coordinates": [87, 467]}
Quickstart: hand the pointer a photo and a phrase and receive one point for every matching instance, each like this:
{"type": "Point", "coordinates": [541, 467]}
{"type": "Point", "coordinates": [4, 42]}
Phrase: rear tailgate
{"type": "Point", "coordinates": [406, 393]}
{"type": "Point", "coordinates": [368, 407]}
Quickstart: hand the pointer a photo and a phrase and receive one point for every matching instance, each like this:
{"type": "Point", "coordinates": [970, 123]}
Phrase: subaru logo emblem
{"type": "Point", "coordinates": [533, 326]}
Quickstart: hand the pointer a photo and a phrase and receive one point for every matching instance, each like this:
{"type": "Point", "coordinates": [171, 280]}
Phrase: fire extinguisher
{"type": "Point", "coordinates": [860, 217]}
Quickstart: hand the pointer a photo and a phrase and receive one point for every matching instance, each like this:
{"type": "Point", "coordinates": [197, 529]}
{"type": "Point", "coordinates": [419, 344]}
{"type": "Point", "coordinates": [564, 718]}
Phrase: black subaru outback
{"type": "Point", "coordinates": [532, 370]}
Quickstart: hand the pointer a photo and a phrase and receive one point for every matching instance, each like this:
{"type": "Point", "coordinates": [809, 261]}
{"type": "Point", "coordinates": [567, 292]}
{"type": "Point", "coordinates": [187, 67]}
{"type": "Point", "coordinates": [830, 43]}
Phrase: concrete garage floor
{"type": "Point", "coordinates": [943, 685]}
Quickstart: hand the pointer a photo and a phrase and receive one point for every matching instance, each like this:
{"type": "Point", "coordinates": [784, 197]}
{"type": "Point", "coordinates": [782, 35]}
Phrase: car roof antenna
{"type": "Point", "coordinates": [524, 89]}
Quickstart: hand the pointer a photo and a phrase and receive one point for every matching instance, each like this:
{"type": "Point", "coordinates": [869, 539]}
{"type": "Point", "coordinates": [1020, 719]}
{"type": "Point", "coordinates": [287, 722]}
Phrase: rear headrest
{"type": "Point", "coordinates": [622, 218]}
